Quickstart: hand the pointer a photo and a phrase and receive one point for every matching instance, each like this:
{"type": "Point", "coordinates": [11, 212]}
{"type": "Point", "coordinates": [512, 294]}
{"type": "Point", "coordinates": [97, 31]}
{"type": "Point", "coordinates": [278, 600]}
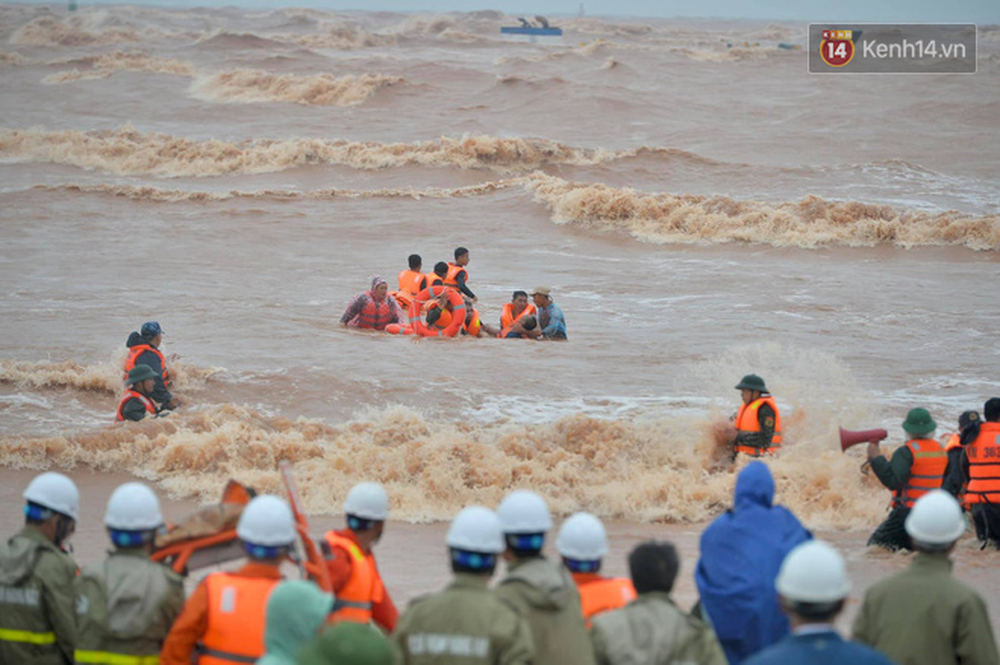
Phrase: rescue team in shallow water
{"type": "Point", "coordinates": [966, 463]}
{"type": "Point", "coordinates": [769, 593]}
{"type": "Point", "coordinates": [440, 304]}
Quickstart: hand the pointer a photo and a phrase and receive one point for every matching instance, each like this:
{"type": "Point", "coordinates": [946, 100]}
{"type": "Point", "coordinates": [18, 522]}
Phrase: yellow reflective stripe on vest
{"type": "Point", "coordinates": [28, 636]}
{"type": "Point", "coordinates": [108, 658]}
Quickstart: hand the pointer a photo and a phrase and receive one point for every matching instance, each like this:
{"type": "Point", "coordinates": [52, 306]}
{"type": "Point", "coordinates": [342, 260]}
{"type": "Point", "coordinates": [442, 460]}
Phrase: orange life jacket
{"type": "Point", "coordinates": [507, 318]}
{"type": "Point", "coordinates": [237, 615]}
{"type": "Point", "coordinates": [984, 465]}
{"type": "Point", "coordinates": [430, 279]}
{"type": "Point", "coordinates": [473, 327]}
{"type": "Point", "coordinates": [409, 282]}
{"type": "Point", "coordinates": [601, 594]}
{"type": "Point", "coordinates": [354, 601]}
{"type": "Point", "coordinates": [747, 421]}
{"type": "Point", "coordinates": [132, 394]}
{"type": "Point", "coordinates": [375, 315]}
{"type": "Point", "coordinates": [446, 317]}
{"type": "Point", "coordinates": [926, 474]}
{"type": "Point", "coordinates": [451, 279]}
{"type": "Point", "coordinates": [135, 351]}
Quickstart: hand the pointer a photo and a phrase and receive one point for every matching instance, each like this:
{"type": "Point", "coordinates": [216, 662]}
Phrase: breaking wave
{"type": "Point", "coordinates": [47, 31]}
{"type": "Point", "coordinates": [339, 37]}
{"type": "Point", "coordinates": [126, 151]}
{"type": "Point", "coordinates": [106, 377]}
{"type": "Point", "coordinates": [659, 470]}
{"type": "Point", "coordinates": [809, 223]}
{"type": "Point", "coordinates": [251, 85]}
{"type": "Point", "coordinates": [102, 66]}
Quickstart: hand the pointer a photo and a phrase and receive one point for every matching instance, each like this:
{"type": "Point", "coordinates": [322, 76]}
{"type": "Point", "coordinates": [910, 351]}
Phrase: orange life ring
{"type": "Point", "coordinates": [457, 303]}
{"type": "Point", "coordinates": [398, 329]}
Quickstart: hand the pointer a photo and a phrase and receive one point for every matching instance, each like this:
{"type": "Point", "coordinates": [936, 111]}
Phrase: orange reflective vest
{"type": "Point", "coordinates": [747, 421]}
{"type": "Point", "coordinates": [375, 315]}
{"type": "Point", "coordinates": [929, 462]}
{"type": "Point", "coordinates": [984, 465]}
{"type": "Point", "coordinates": [507, 318]}
{"type": "Point", "coordinates": [446, 317]}
{"type": "Point", "coordinates": [237, 615]}
{"type": "Point", "coordinates": [473, 327]}
{"type": "Point", "coordinates": [409, 282]}
{"type": "Point", "coordinates": [451, 279]}
{"type": "Point", "coordinates": [135, 351]}
{"type": "Point", "coordinates": [354, 601]}
{"type": "Point", "coordinates": [430, 279]}
{"type": "Point", "coordinates": [130, 395]}
{"type": "Point", "coordinates": [601, 594]}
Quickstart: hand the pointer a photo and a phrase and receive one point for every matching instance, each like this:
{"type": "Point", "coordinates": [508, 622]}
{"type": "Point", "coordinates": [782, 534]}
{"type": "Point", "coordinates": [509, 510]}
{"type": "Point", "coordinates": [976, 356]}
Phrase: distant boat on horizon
{"type": "Point", "coordinates": [542, 32]}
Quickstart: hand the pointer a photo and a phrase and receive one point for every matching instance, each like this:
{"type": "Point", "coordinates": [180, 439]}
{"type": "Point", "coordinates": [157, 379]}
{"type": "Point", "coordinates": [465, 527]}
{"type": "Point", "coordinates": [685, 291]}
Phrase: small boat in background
{"type": "Point", "coordinates": [529, 32]}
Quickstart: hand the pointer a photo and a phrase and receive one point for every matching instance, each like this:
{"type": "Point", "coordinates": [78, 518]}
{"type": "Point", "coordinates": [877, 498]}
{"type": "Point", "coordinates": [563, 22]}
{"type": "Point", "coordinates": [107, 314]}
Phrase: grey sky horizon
{"type": "Point", "coordinates": [889, 11]}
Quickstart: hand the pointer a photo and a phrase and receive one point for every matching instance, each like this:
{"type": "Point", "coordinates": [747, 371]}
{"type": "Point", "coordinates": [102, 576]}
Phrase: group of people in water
{"type": "Point", "coordinates": [768, 591]}
{"type": "Point", "coordinates": [441, 304]}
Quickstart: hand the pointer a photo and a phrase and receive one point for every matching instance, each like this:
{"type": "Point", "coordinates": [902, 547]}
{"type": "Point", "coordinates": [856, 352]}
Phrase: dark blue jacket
{"type": "Point", "coordinates": [160, 392]}
{"type": "Point", "coordinates": [826, 648]}
{"type": "Point", "coordinates": [741, 552]}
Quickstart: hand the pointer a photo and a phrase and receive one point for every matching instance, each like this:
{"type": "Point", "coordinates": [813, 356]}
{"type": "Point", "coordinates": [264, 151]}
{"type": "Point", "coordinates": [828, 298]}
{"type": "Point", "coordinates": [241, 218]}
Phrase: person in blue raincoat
{"type": "Point", "coordinates": [741, 553]}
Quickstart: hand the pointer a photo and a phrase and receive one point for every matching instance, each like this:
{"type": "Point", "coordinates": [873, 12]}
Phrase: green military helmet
{"type": "Point", "coordinates": [918, 422]}
{"type": "Point", "coordinates": [140, 373]}
{"type": "Point", "coordinates": [752, 382]}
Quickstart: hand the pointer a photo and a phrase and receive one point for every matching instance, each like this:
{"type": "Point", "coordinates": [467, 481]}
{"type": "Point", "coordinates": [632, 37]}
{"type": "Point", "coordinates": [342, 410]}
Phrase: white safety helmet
{"type": "Point", "coordinates": [368, 501]}
{"type": "Point", "coordinates": [936, 519]}
{"type": "Point", "coordinates": [133, 507]}
{"type": "Point", "coordinates": [56, 492]}
{"type": "Point", "coordinates": [813, 572]}
{"type": "Point", "coordinates": [476, 529]}
{"type": "Point", "coordinates": [267, 520]}
{"type": "Point", "coordinates": [582, 537]}
{"type": "Point", "coordinates": [523, 511]}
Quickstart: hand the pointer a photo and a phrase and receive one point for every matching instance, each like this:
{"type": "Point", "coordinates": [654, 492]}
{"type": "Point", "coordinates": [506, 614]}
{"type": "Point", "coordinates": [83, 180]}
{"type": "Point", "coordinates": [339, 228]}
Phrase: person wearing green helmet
{"type": "Point", "coordinates": [137, 402]}
{"type": "Point", "coordinates": [916, 468]}
{"type": "Point", "coordinates": [758, 421]}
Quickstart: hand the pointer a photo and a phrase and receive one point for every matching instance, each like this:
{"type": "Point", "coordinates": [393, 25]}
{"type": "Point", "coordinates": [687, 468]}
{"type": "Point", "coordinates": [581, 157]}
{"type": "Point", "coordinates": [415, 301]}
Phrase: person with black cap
{"type": "Point", "coordinates": [956, 474]}
{"type": "Point", "coordinates": [916, 468]}
{"type": "Point", "coordinates": [144, 349]}
{"type": "Point", "coordinates": [758, 421]}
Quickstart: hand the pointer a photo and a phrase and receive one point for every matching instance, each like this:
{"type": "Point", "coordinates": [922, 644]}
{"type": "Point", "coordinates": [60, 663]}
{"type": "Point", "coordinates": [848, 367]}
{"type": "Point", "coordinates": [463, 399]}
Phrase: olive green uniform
{"type": "Point", "coordinates": [37, 622]}
{"type": "Point", "coordinates": [125, 607]}
{"type": "Point", "coordinates": [546, 596]}
{"type": "Point", "coordinates": [761, 439]}
{"type": "Point", "coordinates": [924, 615]}
{"type": "Point", "coordinates": [653, 631]}
{"type": "Point", "coordinates": [465, 624]}
{"type": "Point", "coordinates": [894, 475]}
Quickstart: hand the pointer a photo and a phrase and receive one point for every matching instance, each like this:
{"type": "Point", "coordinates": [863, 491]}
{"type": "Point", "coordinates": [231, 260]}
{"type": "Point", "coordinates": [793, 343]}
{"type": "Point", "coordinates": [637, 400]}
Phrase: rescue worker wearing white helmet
{"type": "Point", "coordinates": [224, 619]}
{"type": "Point", "coordinates": [126, 604]}
{"type": "Point", "coordinates": [541, 590]}
{"type": "Point", "coordinates": [923, 614]}
{"type": "Point", "coordinates": [361, 594]}
{"type": "Point", "coordinates": [651, 629]}
{"type": "Point", "coordinates": [466, 623]}
{"type": "Point", "coordinates": [812, 588]}
{"type": "Point", "coordinates": [582, 543]}
{"type": "Point", "coordinates": [37, 617]}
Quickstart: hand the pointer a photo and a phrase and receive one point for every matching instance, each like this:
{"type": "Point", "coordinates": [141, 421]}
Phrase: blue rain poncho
{"type": "Point", "coordinates": [741, 552]}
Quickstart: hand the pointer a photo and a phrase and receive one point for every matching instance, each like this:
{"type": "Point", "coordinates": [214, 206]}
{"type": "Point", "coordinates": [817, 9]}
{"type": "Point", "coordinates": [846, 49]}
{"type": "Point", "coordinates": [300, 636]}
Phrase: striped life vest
{"type": "Point", "coordinates": [929, 462]}
{"type": "Point", "coordinates": [747, 421]}
{"type": "Point", "coordinates": [130, 395]}
{"type": "Point", "coordinates": [135, 351]}
{"type": "Point", "coordinates": [237, 615]}
{"type": "Point", "coordinates": [984, 465]}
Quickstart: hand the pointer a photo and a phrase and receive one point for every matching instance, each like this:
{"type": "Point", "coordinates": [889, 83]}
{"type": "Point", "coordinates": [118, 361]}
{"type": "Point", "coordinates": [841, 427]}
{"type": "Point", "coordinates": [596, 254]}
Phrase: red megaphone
{"type": "Point", "coordinates": [849, 438]}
